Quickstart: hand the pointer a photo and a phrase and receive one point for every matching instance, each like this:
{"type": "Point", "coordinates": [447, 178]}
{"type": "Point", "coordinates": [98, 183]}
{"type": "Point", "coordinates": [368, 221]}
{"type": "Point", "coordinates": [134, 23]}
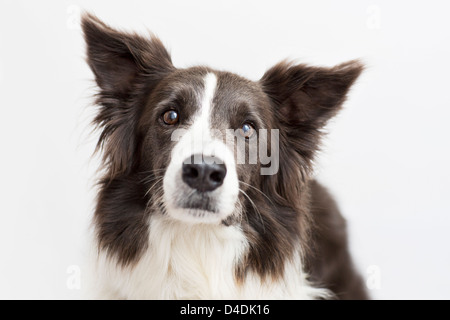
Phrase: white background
{"type": "Point", "coordinates": [386, 157]}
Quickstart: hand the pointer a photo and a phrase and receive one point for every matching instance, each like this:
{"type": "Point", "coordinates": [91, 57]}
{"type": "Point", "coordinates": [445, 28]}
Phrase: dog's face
{"type": "Point", "coordinates": [197, 119]}
{"type": "Point", "coordinates": [198, 139]}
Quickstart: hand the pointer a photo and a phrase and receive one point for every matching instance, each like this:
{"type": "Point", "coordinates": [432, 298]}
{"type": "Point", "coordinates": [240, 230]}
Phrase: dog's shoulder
{"type": "Point", "coordinates": [329, 262]}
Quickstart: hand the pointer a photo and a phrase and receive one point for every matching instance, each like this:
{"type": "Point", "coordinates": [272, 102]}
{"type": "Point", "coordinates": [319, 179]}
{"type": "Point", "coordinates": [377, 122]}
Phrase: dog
{"type": "Point", "coordinates": [183, 214]}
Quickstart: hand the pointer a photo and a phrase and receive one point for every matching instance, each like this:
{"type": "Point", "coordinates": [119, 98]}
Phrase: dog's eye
{"type": "Point", "coordinates": [170, 117]}
{"type": "Point", "coordinates": [247, 130]}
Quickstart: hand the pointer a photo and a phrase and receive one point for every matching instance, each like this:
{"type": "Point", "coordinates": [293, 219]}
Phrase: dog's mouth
{"type": "Point", "coordinates": [182, 202]}
{"type": "Point", "coordinates": [201, 191]}
{"type": "Point", "coordinates": [199, 201]}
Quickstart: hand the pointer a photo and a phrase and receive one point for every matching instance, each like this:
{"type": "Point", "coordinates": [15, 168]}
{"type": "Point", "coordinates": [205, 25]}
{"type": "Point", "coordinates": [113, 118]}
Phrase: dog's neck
{"type": "Point", "coordinates": [200, 256]}
{"type": "Point", "coordinates": [199, 261]}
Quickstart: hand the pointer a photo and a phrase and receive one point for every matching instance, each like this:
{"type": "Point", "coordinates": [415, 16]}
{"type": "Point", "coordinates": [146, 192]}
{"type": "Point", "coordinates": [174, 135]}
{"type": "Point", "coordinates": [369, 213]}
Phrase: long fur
{"type": "Point", "coordinates": [285, 232]}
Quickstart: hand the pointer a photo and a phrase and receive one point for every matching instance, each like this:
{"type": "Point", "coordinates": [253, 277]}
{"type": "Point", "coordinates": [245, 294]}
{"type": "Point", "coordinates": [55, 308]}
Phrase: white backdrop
{"type": "Point", "coordinates": [386, 158]}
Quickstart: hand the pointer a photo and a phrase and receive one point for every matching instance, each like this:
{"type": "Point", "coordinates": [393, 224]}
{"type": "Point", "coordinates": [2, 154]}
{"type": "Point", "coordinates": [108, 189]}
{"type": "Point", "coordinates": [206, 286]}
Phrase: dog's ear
{"type": "Point", "coordinates": [126, 67]}
{"type": "Point", "coordinates": [304, 98]}
{"type": "Point", "coordinates": [118, 59]}
{"type": "Point", "coordinates": [309, 96]}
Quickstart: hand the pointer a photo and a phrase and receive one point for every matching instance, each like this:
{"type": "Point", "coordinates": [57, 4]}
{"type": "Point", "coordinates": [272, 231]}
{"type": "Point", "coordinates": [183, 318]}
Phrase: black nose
{"type": "Point", "coordinates": [204, 176]}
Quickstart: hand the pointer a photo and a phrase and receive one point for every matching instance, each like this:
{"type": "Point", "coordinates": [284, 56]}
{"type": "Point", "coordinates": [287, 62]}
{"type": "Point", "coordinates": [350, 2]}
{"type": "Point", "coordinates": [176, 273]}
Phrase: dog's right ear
{"type": "Point", "coordinates": [127, 67]}
{"type": "Point", "coordinates": [118, 59]}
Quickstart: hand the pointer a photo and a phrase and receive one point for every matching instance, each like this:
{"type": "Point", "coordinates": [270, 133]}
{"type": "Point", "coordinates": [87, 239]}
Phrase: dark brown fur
{"type": "Point", "coordinates": [137, 82]}
{"type": "Point", "coordinates": [329, 261]}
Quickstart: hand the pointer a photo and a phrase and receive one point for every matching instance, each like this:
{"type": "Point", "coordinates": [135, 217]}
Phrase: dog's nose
{"type": "Point", "coordinates": [205, 176]}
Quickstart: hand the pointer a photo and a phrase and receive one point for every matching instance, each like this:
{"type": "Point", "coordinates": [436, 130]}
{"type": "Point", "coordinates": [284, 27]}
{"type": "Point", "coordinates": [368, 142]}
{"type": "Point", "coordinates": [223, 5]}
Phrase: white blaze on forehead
{"type": "Point", "coordinates": [201, 127]}
{"type": "Point", "coordinates": [210, 89]}
{"type": "Point", "coordinates": [201, 132]}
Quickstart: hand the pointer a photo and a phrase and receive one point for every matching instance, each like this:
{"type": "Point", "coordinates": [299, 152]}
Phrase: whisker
{"type": "Point", "coordinates": [256, 209]}
{"type": "Point", "coordinates": [150, 173]}
{"type": "Point", "coordinates": [153, 170]}
{"type": "Point", "coordinates": [249, 185]}
{"type": "Point", "coordinates": [241, 215]}
{"type": "Point", "coordinates": [157, 197]}
{"type": "Point", "coordinates": [151, 178]}
{"type": "Point", "coordinates": [154, 184]}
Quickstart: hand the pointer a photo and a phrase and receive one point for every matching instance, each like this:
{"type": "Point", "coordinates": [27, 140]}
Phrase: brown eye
{"type": "Point", "coordinates": [170, 117]}
{"type": "Point", "coordinates": [247, 130]}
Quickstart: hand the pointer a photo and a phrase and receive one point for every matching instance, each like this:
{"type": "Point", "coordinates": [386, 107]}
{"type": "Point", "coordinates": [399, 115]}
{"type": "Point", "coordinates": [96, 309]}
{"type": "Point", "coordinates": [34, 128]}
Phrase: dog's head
{"type": "Point", "coordinates": [201, 141]}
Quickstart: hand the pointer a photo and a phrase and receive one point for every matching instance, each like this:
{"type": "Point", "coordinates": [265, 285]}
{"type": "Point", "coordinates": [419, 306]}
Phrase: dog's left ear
{"type": "Point", "coordinates": [309, 96]}
{"type": "Point", "coordinates": [304, 98]}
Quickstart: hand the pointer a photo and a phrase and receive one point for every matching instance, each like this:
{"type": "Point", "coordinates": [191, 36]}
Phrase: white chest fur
{"type": "Point", "coordinates": [195, 262]}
